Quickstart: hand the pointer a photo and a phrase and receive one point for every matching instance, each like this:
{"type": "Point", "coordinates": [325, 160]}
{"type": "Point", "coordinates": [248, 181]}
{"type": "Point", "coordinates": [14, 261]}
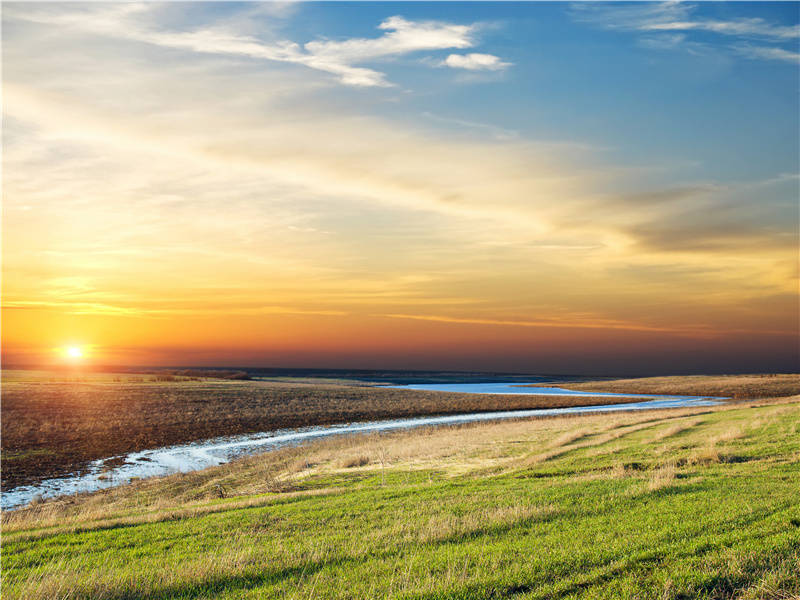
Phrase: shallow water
{"type": "Point", "coordinates": [217, 451]}
{"type": "Point", "coordinates": [504, 389]}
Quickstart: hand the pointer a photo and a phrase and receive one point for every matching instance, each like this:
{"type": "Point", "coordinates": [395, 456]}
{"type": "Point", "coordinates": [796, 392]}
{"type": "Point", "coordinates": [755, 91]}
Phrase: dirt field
{"type": "Point", "coordinates": [739, 387]}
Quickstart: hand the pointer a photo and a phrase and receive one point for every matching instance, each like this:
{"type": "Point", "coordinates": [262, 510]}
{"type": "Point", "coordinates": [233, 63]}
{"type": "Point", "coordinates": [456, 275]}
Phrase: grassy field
{"type": "Point", "coordinates": [726, 386]}
{"type": "Point", "coordinates": [699, 503]}
{"type": "Point", "coordinates": [54, 423]}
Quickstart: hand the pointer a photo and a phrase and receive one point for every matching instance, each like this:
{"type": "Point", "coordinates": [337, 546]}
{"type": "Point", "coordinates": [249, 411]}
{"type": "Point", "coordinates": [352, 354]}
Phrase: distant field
{"type": "Point", "coordinates": [662, 505]}
{"type": "Point", "coordinates": [728, 386]}
{"type": "Point", "coordinates": [54, 423]}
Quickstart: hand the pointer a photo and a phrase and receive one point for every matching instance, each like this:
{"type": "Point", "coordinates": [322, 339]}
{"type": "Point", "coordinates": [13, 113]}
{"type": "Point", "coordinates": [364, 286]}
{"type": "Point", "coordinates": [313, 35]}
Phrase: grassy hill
{"type": "Point", "coordinates": [696, 503]}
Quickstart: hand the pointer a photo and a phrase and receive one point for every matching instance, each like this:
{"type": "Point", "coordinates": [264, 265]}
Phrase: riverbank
{"type": "Point", "coordinates": [56, 424]}
{"type": "Point", "coordinates": [121, 470]}
{"type": "Point", "coordinates": [684, 503]}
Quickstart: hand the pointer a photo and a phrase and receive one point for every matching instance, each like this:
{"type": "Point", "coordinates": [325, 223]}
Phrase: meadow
{"type": "Point", "coordinates": [675, 504]}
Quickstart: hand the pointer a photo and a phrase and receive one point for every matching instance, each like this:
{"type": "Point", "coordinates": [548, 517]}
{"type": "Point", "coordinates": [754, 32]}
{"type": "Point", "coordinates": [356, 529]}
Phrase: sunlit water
{"type": "Point", "coordinates": [217, 451]}
{"type": "Point", "coordinates": [519, 389]}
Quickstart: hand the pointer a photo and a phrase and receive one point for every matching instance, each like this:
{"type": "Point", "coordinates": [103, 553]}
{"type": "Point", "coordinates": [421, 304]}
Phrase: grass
{"type": "Point", "coordinates": [55, 423]}
{"type": "Point", "coordinates": [739, 387]}
{"type": "Point", "coordinates": [698, 503]}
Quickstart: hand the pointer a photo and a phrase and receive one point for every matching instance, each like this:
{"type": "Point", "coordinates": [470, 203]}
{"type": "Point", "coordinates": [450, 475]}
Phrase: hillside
{"type": "Point", "coordinates": [676, 504]}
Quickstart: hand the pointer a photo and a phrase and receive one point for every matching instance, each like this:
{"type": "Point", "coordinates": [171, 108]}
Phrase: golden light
{"type": "Point", "coordinates": [74, 352]}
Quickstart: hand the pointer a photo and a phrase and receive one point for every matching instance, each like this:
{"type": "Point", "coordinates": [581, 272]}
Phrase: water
{"type": "Point", "coordinates": [217, 451]}
{"type": "Point", "coordinates": [517, 389]}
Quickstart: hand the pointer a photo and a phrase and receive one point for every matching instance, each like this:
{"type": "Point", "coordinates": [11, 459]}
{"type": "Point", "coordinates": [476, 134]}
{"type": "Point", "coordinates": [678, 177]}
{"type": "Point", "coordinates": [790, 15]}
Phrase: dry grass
{"type": "Point", "coordinates": [356, 461]}
{"type": "Point", "coordinates": [705, 456]}
{"type": "Point", "coordinates": [728, 386]}
{"type": "Point", "coordinates": [446, 526]}
{"type": "Point", "coordinates": [662, 477]}
{"type": "Point", "coordinates": [50, 520]}
{"type": "Point", "coordinates": [676, 429]}
{"type": "Point", "coordinates": [728, 436]}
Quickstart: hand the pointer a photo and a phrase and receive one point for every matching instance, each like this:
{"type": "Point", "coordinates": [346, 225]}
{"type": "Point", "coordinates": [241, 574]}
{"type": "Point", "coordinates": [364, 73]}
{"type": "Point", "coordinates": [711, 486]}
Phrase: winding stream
{"type": "Point", "coordinates": [199, 455]}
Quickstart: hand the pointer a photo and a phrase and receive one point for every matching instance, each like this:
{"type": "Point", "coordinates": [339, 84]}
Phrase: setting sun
{"type": "Point", "coordinates": [74, 352]}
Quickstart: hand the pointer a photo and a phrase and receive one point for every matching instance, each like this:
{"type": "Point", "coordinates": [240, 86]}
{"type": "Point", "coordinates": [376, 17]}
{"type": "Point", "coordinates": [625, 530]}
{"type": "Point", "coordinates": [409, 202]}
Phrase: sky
{"type": "Point", "coordinates": [516, 187]}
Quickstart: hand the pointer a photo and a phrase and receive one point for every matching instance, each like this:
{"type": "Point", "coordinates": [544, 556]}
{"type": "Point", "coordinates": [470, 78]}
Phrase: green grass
{"type": "Point", "coordinates": [682, 504]}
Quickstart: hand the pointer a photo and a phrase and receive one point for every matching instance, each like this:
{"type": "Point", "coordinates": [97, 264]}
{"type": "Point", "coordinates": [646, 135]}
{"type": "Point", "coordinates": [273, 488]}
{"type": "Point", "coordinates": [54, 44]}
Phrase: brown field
{"type": "Point", "coordinates": [738, 387]}
{"type": "Point", "coordinates": [54, 424]}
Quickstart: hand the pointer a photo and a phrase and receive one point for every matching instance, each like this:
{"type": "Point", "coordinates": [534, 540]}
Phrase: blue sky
{"type": "Point", "coordinates": [576, 76]}
{"type": "Point", "coordinates": [365, 179]}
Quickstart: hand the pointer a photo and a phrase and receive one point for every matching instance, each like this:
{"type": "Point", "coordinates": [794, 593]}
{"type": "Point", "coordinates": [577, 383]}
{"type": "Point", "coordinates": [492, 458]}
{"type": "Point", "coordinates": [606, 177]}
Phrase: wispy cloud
{"type": "Point", "coordinates": [663, 42]}
{"type": "Point", "coordinates": [498, 133]}
{"type": "Point", "coordinates": [768, 53]}
{"type": "Point", "coordinates": [667, 25]}
{"type": "Point", "coordinates": [699, 331]}
{"type": "Point", "coordinates": [676, 16]}
{"type": "Point", "coordinates": [94, 308]}
{"type": "Point", "coordinates": [737, 27]}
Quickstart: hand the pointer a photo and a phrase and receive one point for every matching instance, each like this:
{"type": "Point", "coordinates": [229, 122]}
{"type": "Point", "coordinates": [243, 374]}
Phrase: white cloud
{"type": "Point", "coordinates": [738, 27]}
{"type": "Point", "coordinates": [768, 53]}
{"type": "Point", "coordinates": [676, 16]}
{"type": "Point", "coordinates": [667, 25]}
{"type": "Point", "coordinates": [476, 62]}
{"type": "Point", "coordinates": [403, 37]}
{"type": "Point", "coordinates": [337, 57]}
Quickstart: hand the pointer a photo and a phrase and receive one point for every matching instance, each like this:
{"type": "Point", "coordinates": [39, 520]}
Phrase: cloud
{"type": "Point", "coordinates": [403, 37]}
{"type": "Point", "coordinates": [667, 25]}
{"type": "Point", "coordinates": [668, 196]}
{"type": "Point", "coordinates": [628, 16]}
{"type": "Point", "coordinates": [676, 16]}
{"type": "Point", "coordinates": [768, 53]}
{"type": "Point", "coordinates": [476, 62]}
{"type": "Point", "coordinates": [736, 27]}
{"type": "Point", "coordinates": [498, 133]}
{"type": "Point", "coordinates": [713, 218]}
{"type": "Point", "coordinates": [569, 323]}
{"type": "Point", "coordinates": [337, 57]}
{"type": "Point", "coordinates": [164, 172]}
{"type": "Point", "coordinates": [714, 236]}
{"type": "Point", "coordinates": [663, 42]}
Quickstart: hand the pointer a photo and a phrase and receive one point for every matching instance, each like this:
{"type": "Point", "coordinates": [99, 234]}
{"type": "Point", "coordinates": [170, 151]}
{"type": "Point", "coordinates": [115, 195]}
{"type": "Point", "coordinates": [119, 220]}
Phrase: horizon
{"type": "Point", "coordinates": [474, 187]}
{"type": "Point", "coordinates": [291, 371]}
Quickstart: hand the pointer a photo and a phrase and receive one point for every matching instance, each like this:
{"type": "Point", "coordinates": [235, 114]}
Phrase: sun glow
{"type": "Point", "coordinates": [74, 352]}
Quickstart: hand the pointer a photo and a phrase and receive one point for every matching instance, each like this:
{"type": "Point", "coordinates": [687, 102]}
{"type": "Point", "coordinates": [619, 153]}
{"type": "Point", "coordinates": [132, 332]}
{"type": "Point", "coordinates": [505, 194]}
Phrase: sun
{"type": "Point", "coordinates": [74, 352]}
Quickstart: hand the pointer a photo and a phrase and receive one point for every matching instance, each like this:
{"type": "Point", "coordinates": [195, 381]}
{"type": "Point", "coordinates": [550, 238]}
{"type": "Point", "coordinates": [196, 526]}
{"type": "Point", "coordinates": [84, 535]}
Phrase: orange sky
{"type": "Point", "coordinates": [165, 205]}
